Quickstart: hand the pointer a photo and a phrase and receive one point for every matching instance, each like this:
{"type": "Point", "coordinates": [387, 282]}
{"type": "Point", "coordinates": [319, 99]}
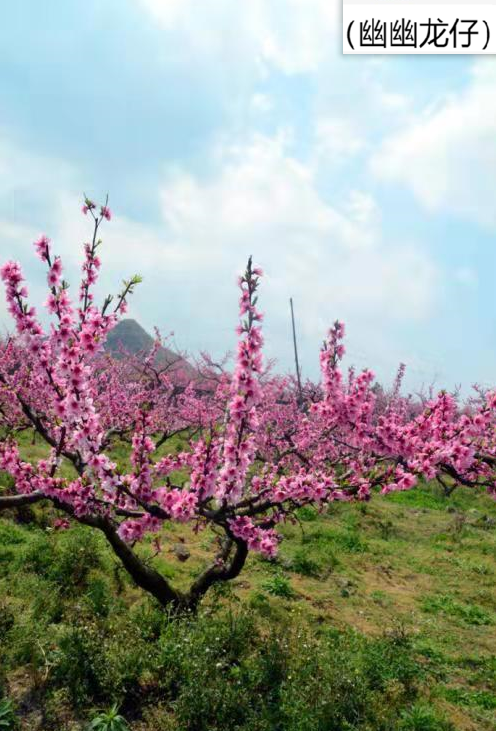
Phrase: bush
{"type": "Point", "coordinates": [7, 718]}
{"type": "Point", "coordinates": [65, 558]}
{"type": "Point", "coordinates": [424, 718]}
{"type": "Point", "coordinates": [307, 513]}
{"type": "Point", "coordinates": [233, 669]}
{"type": "Point", "coordinates": [6, 480]}
{"type": "Point", "coordinates": [99, 596]}
{"type": "Point", "coordinates": [304, 564]}
{"type": "Point", "coordinates": [279, 585]}
{"type": "Point", "coordinates": [6, 620]}
{"type": "Point", "coordinates": [109, 721]}
{"type": "Point", "coordinates": [100, 663]}
{"type": "Point", "coordinates": [347, 541]}
{"type": "Point", "coordinates": [467, 613]}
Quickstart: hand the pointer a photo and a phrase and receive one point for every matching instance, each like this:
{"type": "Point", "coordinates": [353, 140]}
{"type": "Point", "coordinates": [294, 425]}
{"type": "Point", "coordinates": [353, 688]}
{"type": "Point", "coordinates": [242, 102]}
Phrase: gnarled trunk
{"type": "Point", "coordinates": [227, 566]}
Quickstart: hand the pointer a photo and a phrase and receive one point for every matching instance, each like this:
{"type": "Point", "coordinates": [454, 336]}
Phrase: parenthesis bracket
{"type": "Point", "coordinates": [488, 34]}
{"type": "Point", "coordinates": [348, 35]}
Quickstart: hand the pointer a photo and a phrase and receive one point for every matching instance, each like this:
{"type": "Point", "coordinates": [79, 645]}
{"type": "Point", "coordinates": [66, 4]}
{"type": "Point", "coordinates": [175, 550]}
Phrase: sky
{"type": "Point", "coordinates": [363, 186]}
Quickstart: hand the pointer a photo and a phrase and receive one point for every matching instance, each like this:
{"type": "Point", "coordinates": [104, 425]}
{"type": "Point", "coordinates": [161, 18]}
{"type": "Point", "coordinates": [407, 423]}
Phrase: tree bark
{"type": "Point", "coordinates": [144, 576]}
{"type": "Point", "coordinates": [226, 570]}
{"type": "Point", "coordinates": [8, 502]}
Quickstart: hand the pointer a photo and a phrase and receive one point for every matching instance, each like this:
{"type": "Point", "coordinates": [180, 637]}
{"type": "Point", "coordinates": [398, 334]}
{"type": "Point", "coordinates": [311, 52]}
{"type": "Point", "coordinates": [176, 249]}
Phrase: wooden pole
{"type": "Point", "coordinates": [297, 365]}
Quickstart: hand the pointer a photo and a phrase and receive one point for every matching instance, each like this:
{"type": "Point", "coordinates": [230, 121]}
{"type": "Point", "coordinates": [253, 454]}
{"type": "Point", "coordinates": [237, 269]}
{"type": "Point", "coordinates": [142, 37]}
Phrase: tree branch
{"type": "Point", "coordinates": [220, 570]}
{"type": "Point", "coordinates": [8, 502]}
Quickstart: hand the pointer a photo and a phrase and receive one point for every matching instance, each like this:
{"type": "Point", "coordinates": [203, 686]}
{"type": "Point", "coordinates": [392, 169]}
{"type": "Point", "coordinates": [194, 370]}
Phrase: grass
{"type": "Point", "coordinates": [305, 638]}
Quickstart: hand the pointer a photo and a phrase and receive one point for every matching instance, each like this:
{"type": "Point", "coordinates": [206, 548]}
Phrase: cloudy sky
{"type": "Point", "coordinates": [364, 186]}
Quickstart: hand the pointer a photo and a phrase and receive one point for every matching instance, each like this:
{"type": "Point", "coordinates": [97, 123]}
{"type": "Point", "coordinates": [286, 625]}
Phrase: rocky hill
{"type": "Point", "coordinates": [131, 337]}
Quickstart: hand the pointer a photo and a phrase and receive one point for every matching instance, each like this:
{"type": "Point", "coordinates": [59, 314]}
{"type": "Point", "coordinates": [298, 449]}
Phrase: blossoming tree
{"type": "Point", "coordinates": [257, 450]}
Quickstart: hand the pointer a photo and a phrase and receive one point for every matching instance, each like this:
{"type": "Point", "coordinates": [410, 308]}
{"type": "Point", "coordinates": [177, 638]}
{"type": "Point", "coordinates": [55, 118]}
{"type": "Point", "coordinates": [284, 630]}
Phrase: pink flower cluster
{"type": "Point", "coordinates": [239, 442]}
{"type": "Point", "coordinates": [257, 445]}
{"type": "Point", "coordinates": [181, 505]}
{"type": "Point", "coordinates": [133, 530]}
{"type": "Point", "coordinates": [260, 540]}
{"type": "Point", "coordinates": [89, 206]}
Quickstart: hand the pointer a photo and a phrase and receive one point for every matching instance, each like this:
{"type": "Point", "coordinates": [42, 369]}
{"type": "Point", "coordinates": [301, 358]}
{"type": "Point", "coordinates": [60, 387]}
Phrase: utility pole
{"type": "Point", "coordinates": [297, 365]}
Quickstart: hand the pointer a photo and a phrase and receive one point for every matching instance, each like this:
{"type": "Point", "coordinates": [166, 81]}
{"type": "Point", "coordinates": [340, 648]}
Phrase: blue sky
{"type": "Point", "coordinates": [364, 186]}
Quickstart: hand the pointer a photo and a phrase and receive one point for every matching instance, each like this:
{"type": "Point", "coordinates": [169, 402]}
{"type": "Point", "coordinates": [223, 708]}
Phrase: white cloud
{"type": "Point", "coordinates": [11, 233]}
{"type": "Point", "coordinates": [447, 155]}
{"type": "Point", "coordinates": [362, 208]}
{"type": "Point", "coordinates": [291, 35]}
{"type": "Point", "coordinates": [261, 103]}
{"type": "Point", "coordinates": [337, 139]}
{"type": "Point", "coordinates": [260, 200]}
{"type": "Point", "coordinates": [264, 201]}
{"type": "Point", "coordinates": [260, 191]}
{"type": "Point", "coordinates": [22, 172]}
{"type": "Point", "coordinates": [167, 12]}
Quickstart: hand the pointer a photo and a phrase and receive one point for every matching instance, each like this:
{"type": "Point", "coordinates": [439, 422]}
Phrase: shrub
{"type": "Point", "coordinates": [6, 620]}
{"type": "Point", "coordinates": [109, 721]}
{"type": "Point", "coordinates": [307, 513]}
{"type": "Point", "coordinates": [348, 541]}
{"type": "Point", "coordinates": [468, 613]}
{"type": "Point", "coordinates": [228, 668]}
{"type": "Point", "coordinates": [101, 663]}
{"type": "Point", "coordinates": [7, 718]}
{"type": "Point", "coordinates": [6, 480]}
{"type": "Point", "coordinates": [64, 558]}
{"type": "Point", "coordinates": [304, 564]}
{"type": "Point", "coordinates": [279, 585]}
{"type": "Point", "coordinates": [344, 681]}
{"type": "Point", "coordinates": [481, 698]}
{"type": "Point", "coordinates": [98, 596]}
{"type": "Point", "coordinates": [424, 718]}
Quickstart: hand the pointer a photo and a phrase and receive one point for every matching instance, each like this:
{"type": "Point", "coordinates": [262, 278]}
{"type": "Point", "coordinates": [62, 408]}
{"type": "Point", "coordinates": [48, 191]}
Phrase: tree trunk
{"type": "Point", "coordinates": [218, 572]}
{"type": "Point", "coordinates": [144, 576]}
{"type": "Point", "coordinates": [228, 565]}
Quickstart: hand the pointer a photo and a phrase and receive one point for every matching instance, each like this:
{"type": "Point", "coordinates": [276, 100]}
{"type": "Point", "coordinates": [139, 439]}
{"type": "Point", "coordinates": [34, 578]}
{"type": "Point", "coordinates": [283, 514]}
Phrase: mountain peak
{"type": "Point", "coordinates": [133, 338]}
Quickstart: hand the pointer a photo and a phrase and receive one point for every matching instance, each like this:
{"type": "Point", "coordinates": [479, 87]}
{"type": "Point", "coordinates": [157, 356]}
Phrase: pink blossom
{"type": "Point", "coordinates": [42, 246]}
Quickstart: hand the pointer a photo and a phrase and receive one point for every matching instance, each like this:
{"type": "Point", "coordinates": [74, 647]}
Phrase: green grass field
{"type": "Point", "coordinates": [374, 616]}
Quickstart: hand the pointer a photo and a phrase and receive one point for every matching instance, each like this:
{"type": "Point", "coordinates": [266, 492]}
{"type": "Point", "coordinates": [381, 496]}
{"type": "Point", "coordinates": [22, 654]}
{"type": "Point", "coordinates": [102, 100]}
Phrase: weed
{"type": "Point", "coordinates": [424, 718]}
{"type": "Point", "coordinates": [468, 613]}
{"type": "Point", "coordinates": [304, 564]}
{"type": "Point", "coordinates": [109, 721]}
{"type": "Point", "coordinates": [7, 718]}
{"type": "Point", "coordinates": [279, 585]}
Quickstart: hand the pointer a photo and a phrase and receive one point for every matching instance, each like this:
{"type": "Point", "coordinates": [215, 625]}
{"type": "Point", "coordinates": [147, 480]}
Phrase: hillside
{"type": "Point", "coordinates": [396, 600]}
{"type": "Point", "coordinates": [133, 338]}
